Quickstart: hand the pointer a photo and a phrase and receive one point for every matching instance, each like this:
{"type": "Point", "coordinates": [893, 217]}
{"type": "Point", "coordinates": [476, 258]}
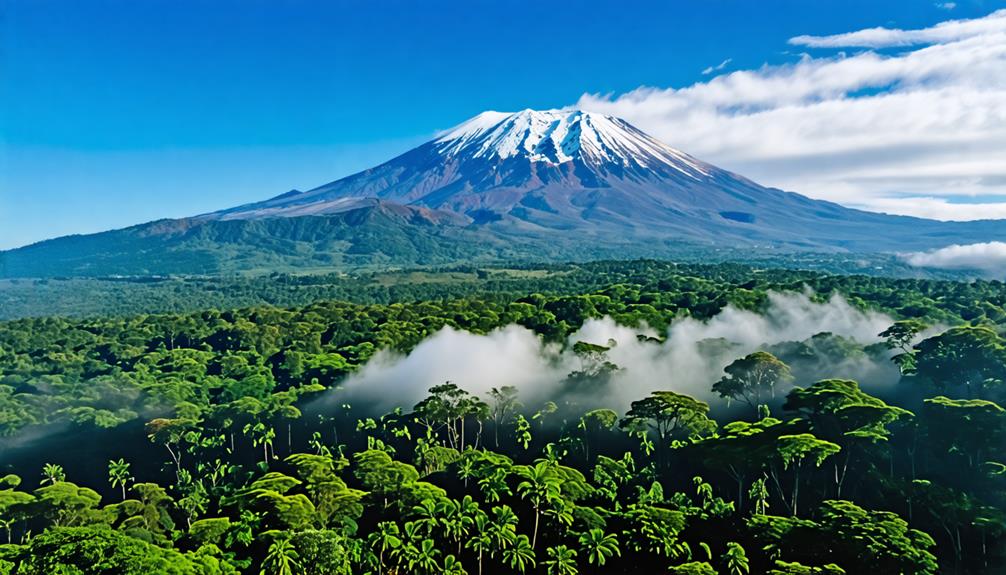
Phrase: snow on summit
{"type": "Point", "coordinates": [559, 136]}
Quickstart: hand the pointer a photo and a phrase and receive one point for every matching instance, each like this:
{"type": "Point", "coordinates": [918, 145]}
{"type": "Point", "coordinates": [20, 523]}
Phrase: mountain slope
{"type": "Point", "coordinates": [538, 172]}
{"type": "Point", "coordinates": [370, 232]}
{"type": "Point", "coordinates": [556, 184]}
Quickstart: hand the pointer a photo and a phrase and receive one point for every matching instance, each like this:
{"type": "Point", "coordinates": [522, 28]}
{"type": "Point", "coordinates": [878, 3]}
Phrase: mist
{"type": "Point", "coordinates": [988, 257]}
{"type": "Point", "coordinates": [689, 357]}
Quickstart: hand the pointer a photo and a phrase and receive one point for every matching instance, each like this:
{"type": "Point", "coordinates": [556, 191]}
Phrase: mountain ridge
{"type": "Point", "coordinates": [547, 184]}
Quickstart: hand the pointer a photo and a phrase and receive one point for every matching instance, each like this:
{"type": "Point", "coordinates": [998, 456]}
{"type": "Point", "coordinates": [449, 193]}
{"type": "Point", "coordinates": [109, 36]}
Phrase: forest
{"type": "Point", "coordinates": [607, 417]}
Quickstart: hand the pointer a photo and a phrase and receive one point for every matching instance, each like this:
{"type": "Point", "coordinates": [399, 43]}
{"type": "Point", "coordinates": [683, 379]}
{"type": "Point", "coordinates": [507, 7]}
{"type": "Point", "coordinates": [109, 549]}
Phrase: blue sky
{"type": "Point", "coordinates": [120, 112]}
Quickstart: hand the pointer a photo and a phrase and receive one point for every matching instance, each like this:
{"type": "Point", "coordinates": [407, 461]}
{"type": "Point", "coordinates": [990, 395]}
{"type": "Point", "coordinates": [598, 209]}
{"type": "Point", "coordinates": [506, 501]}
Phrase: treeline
{"type": "Point", "coordinates": [125, 296]}
{"type": "Point", "coordinates": [189, 444]}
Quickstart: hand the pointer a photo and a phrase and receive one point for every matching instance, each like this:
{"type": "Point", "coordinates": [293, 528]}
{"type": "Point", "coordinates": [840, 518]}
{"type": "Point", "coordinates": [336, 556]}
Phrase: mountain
{"type": "Point", "coordinates": [533, 184]}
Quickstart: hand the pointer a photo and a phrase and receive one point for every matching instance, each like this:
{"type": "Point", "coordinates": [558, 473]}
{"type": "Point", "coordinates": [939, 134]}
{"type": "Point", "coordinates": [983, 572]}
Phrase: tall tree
{"type": "Point", "coordinates": [504, 404]}
{"type": "Point", "coordinates": [671, 415]}
{"type": "Point", "coordinates": [540, 485]}
{"type": "Point", "coordinates": [972, 358]}
{"type": "Point", "coordinates": [753, 379]}
{"type": "Point", "coordinates": [899, 337]}
{"type": "Point", "coordinates": [795, 451]}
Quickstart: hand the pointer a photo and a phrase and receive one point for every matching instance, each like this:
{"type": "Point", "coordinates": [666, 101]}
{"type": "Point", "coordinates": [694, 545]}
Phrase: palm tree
{"type": "Point", "coordinates": [503, 528]}
{"type": "Point", "coordinates": [561, 561]}
{"type": "Point", "coordinates": [281, 559]}
{"type": "Point", "coordinates": [481, 542]}
{"type": "Point", "coordinates": [520, 556]}
{"type": "Point", "coordinates": [426, 515]}
{"type": "Point", "coordinates": [466, 467]}
{"type": "Point", "coordinates": [416, 553]}
{"type": "Point", "coordinates": [494, 485]}
{"type": "Point", "coordinates": [540, 486]}
{"type": "Point", "coordinates": [263, 435]}
{"type": "Point", "coordinates": [599, 546]}
{"type": "Point", "coordinates": [52, 473]}
{"type": "Point", "coordinates": [118, 475]}
{"type": "Point", "coordinates": [424, 559]}
{"type": "Point", "coordinates": [469, 507]}
{"type": "Point", "coordinates": [385, 537]}
{"type": "Point", "coordinates": [454, 519]}
{"type": "Point", "coordinates": [452, 566]}
{"type": "Point", "coordinates": [561, 512]}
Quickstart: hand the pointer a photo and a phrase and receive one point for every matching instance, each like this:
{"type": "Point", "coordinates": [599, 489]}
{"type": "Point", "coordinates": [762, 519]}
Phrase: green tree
{"type": "Point", "coordinates": [839, 411]}
{"type": "Point", "coordinates": [970, 357]}
{"type": "Point", "coordinates": [974, 429]}
{"type": "Point", "coordinates": [280, 559]}
{"type": "Point", "coordinates": [118, 475]}
{"type": "Point", "coordinates": [561, 561]}
{"type": "Point", "coordinates": [735, 560]}
{"type": "Point", "coordinates": [480, 542]}
{"type": "Point", "coordinates": [753, 379]}
{"type": "Point", "coordinates": [52, 474]}
{"type": "Point", "coordinates": [386, 537]}
{"type": "Point", "coordinates": [795, 450]}
{"type": "Point", "coordinates": [103, 551]}
{"type": "Point", "coordinates": [504, 404]}
{"type": "Point", "coordinates": [452, 566]}
{"type": "Point", "coordinates": [540, 486]}
{"type": "Point", "coordinates": [593, 423]}
{"type": "Point", "coordinates": [599, 546]}
{"type": "Point", "coordinates": [899, 337]}
{"type": "Point", "coordinates": [520, 555]}
{"type": "Point", "coordinates": [671, 415]}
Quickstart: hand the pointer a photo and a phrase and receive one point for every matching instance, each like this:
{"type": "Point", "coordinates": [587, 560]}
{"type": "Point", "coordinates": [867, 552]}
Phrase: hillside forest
{"type": "Point", "coordinates": [610, 417]}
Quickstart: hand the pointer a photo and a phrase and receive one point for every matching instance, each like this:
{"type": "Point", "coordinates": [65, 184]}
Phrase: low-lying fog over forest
{"type": "Point", "coordinates": [623, 363]}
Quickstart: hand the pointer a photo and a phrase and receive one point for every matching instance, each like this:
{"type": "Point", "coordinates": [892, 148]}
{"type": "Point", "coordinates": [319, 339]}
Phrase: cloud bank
{"type": "Point", "coordinates": [688, 361]}
{"type": "Point", "coordinates": [910, 122]}
{"type": "Point", "coordinates": [989, 257]}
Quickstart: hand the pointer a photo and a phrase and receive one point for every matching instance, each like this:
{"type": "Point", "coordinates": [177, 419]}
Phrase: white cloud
{"type": "Point", "coordinates": [946, 5]}
{"type": "Point", "coordinates": [717, 67]}
{"type": "Point", "coordinates": [989, 257]}
{"type": "Point", "coordinates": [908, 132]}
{"type": "Point", "coordinates": [949, 31]}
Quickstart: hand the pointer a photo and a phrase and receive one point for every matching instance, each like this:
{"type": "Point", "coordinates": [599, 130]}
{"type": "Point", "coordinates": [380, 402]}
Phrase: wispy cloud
{"type": "Point", "coordinates": [989, 257]}
{"type": "Point", "coordinates": [946, 5]}
{"type": "Point", "coordinates": [911, 132]}
{"type": "Point", "coordinates": [949, 31]}
{"type": "Point", "coordinates": [717, 67]}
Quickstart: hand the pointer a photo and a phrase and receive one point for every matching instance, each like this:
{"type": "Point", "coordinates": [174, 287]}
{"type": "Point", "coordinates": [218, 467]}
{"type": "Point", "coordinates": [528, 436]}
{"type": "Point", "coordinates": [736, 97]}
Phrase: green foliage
{"type": "Point", "coordinates": [693, 568]}
{"type": "Point", "coordinates": [862, 540]}
{"type": "Point", "coordinates": [98, 551]}
{"type": "Point", "coordinates": [753, 378]}
{"type": "Point", "coordinates": [238, 468]}
{"type": "Point", "coordinates": [972, 358]}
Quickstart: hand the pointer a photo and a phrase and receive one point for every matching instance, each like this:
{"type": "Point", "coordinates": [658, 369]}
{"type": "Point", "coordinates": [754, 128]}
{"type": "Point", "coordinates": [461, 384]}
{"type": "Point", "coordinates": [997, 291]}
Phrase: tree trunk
{"type": "Point", "coordinates": [779, 489]}
{"type": "Point", "coordinates": [796, 488]}
{"type": "Point", "coordinates": [534, 536]}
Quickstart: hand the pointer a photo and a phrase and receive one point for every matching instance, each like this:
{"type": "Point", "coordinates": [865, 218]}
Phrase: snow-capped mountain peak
{"type": "Point", "coordinates": [559, 136]}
